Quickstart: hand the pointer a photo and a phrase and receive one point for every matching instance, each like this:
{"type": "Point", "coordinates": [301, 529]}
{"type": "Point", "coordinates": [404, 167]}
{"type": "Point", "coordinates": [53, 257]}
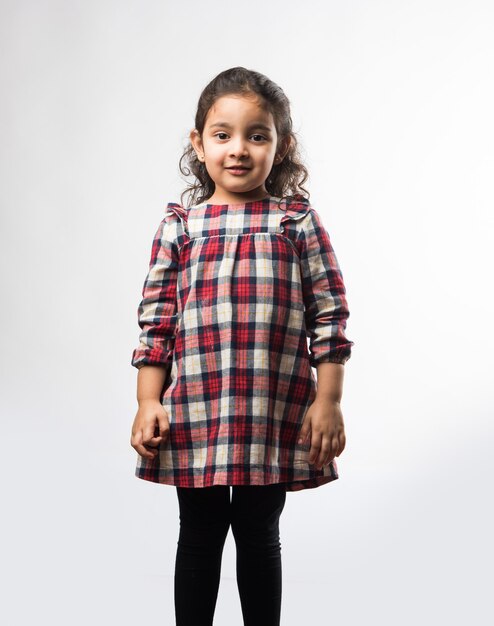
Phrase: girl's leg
{"type": "Point", "coordinates": [255, 515]}
{"type": "Point", "coordinates": [204, 524]}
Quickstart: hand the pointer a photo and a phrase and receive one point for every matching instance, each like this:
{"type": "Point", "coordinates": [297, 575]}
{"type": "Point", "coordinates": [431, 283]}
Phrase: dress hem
{"type": "Point", "coordinates": [295, 484]}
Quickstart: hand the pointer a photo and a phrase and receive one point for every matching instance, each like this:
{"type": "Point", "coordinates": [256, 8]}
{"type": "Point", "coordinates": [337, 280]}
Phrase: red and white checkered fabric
{"type": "Point", "coordinates": [232, 294]}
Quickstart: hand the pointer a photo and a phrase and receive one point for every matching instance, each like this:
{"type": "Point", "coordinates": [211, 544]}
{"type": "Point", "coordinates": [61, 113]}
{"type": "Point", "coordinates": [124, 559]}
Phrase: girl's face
{"type": "Point", "coordinates": [238, 148]}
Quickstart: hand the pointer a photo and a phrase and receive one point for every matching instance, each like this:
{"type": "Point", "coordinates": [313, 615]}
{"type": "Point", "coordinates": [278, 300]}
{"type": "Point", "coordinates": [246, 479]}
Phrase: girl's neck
{"type": "Point", "coordinates": [241, 198]}
{"type": "Point", "coordinates": [210, 202]}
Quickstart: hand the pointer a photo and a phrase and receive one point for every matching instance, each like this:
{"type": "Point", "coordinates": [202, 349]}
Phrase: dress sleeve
{"type": "Point", "coordinates": [157, 311]}
{"type": "Point", "coordinates": [326, 308]}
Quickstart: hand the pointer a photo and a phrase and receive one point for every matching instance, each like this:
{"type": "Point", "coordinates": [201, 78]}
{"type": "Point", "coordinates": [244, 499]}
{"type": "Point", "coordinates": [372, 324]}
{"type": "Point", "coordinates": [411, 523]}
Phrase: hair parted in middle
{"type": "Point", "coordinates": [286, 178]}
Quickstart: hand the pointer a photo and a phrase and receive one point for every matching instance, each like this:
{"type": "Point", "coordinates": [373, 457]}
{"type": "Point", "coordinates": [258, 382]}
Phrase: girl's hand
{"type": "Point", "coordinates": [325, 422]}
{"type": "Point", "coordinates": [150, 415]}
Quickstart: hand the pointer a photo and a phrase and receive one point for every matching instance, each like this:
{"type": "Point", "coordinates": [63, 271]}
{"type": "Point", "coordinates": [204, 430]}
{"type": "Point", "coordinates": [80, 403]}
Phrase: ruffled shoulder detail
{"type": "Point", "coordinates": [178, 209]}
{"type": "Point", "coordinates": [294, 207]}
{"type": "Point", "coordinates": [173, 208]}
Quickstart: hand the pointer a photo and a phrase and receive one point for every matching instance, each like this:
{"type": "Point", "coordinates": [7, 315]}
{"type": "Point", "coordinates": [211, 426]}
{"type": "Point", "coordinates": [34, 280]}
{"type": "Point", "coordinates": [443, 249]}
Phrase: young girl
{"type": "Point", "coordinates": [239, 277]}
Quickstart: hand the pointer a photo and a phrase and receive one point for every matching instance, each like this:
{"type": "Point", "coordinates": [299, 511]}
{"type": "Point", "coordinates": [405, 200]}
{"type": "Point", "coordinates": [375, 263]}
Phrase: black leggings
{"type": "Point", "coordinates": [205, 517]}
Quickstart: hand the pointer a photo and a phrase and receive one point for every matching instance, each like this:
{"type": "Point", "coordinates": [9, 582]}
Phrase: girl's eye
{"type": "Point", "coordinates": [257, 138]}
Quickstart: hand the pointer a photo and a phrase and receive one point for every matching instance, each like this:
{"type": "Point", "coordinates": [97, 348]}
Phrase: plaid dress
{"type": "Point", "coordinates": [232, 294]}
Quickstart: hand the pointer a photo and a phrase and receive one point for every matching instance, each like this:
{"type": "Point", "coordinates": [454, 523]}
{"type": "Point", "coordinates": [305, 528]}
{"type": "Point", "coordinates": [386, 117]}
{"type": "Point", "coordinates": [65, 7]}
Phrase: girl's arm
{"type": "Point", "coordinates": [324, 293]}
{"type": "Point", "coordinates": [329, 348]}
{"type": "Point", "coordinates": [330, 381]}
{"type": "Point", "coordinates": [324, 419]}
{"type": "Point", "coordinates": [151, 414]}
{"type": "Point", "coordinates": [150, 381]}
{"type": "Point", "coordinates": [157, 312]}
{"type": "Point", "coordinates": [157, 316]}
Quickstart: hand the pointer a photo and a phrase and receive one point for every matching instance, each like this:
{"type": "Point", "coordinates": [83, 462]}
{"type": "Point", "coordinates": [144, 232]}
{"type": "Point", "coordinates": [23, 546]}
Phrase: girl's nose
{"type": "Point", "coordinates": [238, 148]}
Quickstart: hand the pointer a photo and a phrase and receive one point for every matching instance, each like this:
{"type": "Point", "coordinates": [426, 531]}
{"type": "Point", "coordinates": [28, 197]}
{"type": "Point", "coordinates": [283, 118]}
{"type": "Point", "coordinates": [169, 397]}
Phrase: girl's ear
{"type": "Point", "coordinates": [282, 150]}
{"type": "Point", "coordinates": [196, 141]}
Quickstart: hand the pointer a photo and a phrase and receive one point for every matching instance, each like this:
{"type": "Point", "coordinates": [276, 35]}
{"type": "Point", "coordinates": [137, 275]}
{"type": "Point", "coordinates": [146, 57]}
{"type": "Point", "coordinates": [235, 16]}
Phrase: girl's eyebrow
{"type": "Point", "coordinates": [251, 126]}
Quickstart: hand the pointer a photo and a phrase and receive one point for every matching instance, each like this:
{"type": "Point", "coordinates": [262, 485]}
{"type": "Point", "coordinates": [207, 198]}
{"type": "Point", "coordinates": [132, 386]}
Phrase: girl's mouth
{"type": "Point", "coordinates": [238, 170]}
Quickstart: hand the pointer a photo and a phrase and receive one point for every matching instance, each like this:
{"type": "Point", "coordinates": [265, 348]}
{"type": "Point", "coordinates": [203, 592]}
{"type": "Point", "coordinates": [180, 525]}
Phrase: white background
{"type": "Point", "coordinates": [393, 103]}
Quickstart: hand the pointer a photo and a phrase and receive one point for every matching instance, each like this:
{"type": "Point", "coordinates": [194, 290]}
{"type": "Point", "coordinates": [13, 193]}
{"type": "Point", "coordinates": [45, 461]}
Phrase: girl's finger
{"type": "Point", "coordinates": [148, 432]}
{"type": "Point", "coordinates": [324, 454]}
{"type": "Point", "coordinates": [152, 451]}
{"type": "Point", "coordinates": [139, 447]}
{"type": "Point", "coordinates": [153, 442]}
{"type": "Point", "coordinates": [336, 445]}
{"type": "Point", "coordinates": [342, 440]}
{"type": "Point", "coordinates": [144, 452]}
{"type": "Point", "coordinates": [304, 431]}
{"type": "Point", "coordinates": [163, 425]}
{"type": "Point", "coordinates": [136, 438]}
{"type": "Point", "coordinates": [314, 447]}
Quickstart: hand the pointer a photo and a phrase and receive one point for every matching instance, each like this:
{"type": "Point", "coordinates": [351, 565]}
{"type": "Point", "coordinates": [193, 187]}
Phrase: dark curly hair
{"type": "Point", "coordinates": [286, 178]}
